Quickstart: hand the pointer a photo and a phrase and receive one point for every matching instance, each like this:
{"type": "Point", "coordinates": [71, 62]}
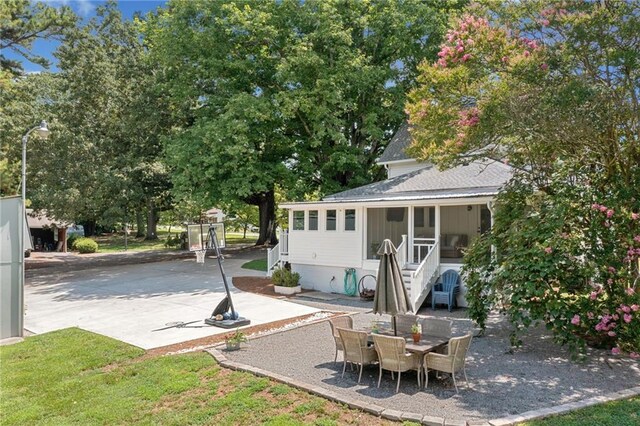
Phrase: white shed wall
{"type": "Point", "coordinates": [338, 248]}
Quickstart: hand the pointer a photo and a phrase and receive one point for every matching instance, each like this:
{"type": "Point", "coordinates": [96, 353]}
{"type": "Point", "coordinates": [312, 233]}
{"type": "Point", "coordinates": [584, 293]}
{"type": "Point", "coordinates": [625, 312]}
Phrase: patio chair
{"type": "Point", "coordinates": [437, 327]}
{"type": "Point", "coordinates": [342, 322]}
{"type": "Point", "coordinates": [355, 349]}
{"type": "Point", "coordinates": [451, 362]}
{"type": "Point", "coordinates": [404, 323]}
{"type": "Point", "coordinates": [392, 356]}
{"type": "Point", "coordinates": [445, 291]}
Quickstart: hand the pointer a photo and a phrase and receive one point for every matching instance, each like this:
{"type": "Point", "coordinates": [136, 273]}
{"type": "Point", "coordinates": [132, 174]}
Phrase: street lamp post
{"type": "Point", "coordinates": [43, 132]}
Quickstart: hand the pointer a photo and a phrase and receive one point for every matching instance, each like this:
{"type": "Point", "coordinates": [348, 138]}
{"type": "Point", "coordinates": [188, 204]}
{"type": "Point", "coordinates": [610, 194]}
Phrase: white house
{"type": "Point", "coordinates": [430, 215]}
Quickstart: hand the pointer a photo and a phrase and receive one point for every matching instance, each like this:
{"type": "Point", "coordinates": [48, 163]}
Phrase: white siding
{"type": "Point", "coordinates": [397, 169]}
{"type": "Point", "coordinates": [319, 278]}
{"type": "Point", "coordinates": [328, 248]}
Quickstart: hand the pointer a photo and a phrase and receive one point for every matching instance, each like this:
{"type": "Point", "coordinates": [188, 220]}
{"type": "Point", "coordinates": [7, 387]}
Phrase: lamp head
{"type": "Point", "coordinates": [43, 130]}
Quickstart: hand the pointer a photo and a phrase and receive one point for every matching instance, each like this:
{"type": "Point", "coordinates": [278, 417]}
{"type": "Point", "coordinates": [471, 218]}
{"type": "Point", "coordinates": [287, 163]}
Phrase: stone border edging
{"type": "Point", "coordinates": [426, 420]}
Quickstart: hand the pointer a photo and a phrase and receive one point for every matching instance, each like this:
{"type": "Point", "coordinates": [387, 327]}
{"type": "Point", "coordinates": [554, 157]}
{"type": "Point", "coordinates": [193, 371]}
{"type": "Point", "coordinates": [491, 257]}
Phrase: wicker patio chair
{"type": "Point", "coordinates": [437, 327]}
{"type": "Point", "coordinates": [392, 356]}
{"type": "Point", "coordinates": [404, 323]}
{"type": "Point", "coordinates": [451, 362]}
{"type": "Point", "coordinates": [342, 322]}
{"type": "Point", "coordinates": [445, 292]}
{"type": "Point", "coordinates": [355, 349]}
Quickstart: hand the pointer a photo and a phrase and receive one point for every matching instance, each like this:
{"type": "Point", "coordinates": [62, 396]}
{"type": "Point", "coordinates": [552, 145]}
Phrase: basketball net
{"type": "Point", "coordinates": [200, 255]}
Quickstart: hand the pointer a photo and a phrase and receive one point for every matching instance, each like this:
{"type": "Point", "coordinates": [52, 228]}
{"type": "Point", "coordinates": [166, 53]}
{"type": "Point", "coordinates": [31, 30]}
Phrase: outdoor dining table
{"type": "Point", "coordinates": [426, 344]}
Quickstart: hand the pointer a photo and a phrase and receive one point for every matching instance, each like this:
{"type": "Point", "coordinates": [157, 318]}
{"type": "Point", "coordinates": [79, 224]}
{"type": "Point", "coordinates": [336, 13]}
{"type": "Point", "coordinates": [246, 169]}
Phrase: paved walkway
{"type": "Point", "coordinates": [503, 383]}
{"type": "Point", "coordinates": [133, 302]}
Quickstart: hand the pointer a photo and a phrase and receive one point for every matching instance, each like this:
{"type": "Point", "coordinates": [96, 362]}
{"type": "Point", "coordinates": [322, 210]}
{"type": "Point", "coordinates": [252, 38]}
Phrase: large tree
{"type": "Point", "coordinates": [552, 89]}
{"type": "Point", "coordinates": [300, 94]}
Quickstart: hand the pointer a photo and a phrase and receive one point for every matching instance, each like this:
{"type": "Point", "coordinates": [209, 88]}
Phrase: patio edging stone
{"type": "Point", "coordinates": [396, 415]}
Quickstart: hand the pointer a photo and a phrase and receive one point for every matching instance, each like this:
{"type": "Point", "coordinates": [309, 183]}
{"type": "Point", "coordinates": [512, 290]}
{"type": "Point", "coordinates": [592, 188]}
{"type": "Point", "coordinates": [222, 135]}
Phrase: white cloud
{"type": "Point", "coordinates": [83, 8]}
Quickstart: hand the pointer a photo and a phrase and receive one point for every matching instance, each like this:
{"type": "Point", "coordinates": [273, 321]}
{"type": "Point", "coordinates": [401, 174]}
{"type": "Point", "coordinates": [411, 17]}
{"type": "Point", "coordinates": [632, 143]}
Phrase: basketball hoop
{"type": "Point", "coordinates": [200, 255]}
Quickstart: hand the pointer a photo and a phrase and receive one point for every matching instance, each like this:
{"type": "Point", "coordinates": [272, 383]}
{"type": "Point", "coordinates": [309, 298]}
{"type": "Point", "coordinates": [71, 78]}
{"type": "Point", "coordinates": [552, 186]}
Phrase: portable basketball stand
{"type": "Point", "coordinates": [226, 305]}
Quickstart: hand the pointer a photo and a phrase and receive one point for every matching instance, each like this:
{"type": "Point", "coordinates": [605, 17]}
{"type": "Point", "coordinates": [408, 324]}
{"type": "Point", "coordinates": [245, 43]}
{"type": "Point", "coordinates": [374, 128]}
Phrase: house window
{"type": "Point", "coordinates": [432, 217]}
{"type": "Point", "coordinates": [298, 220]}
{"type": "Point", "coordinates": [350, 220]}
{"type": "Point", "coordinates": [313, 220]}
{"type": "Point", "coordinates": [331, 220]}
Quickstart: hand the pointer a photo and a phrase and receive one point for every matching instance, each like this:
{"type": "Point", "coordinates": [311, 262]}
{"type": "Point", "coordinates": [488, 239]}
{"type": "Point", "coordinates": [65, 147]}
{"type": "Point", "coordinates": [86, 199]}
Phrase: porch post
{"type": "Point", "coordinates": [491, 208]}
{"type": "Point", "coordinates": [409, 257]}
{"type": "Point", "coordinates": [437, 230]}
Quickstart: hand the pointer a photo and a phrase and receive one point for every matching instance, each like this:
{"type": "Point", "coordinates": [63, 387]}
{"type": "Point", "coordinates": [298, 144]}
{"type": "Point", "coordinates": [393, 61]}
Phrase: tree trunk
{"type": "Point", "coordinates": [244, 235]}
{"type": "Point", "coordinates": [152, 220]}
{"type": "Point", "coordinates": [89, 228]}
{"type": "Point", "coordinates": [140, 225]}
{"type": "Point", "coordinates": [267, 212]}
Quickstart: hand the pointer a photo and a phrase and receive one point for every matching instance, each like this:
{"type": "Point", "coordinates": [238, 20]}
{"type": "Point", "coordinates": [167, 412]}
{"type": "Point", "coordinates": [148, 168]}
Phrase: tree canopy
{"type": "Point", "coordinates": [552, 89]}
{"type": "Point", "coordinates": [302, 94]}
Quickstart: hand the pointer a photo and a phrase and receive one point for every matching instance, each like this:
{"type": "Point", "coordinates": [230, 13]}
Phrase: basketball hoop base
{"type": "Point", "coordinates": [240, 322]}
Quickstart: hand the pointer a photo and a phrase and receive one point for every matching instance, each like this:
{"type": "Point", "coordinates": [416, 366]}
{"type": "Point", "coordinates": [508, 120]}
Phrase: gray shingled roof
{"type": "Point", "coordinates": [473, 180]}
{"type": "Point", "coordinates": [395, 150]}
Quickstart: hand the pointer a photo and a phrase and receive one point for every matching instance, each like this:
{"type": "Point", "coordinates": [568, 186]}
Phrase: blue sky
{"type": "Point", "coordinates": [86, 9]}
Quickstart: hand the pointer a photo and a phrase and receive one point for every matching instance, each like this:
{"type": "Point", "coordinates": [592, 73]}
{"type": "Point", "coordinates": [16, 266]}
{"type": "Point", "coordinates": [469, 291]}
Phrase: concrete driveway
{"type": "Point", "coordinates": [133, 303]}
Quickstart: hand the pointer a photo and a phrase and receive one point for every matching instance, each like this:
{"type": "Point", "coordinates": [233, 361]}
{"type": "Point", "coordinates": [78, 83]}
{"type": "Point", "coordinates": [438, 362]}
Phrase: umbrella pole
{"type": "Point", "coordinates": [395, 329]}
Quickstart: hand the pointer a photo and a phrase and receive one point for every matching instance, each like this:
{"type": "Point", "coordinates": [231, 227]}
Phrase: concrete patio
{"type": "Point", "coordinates": [135, 303]}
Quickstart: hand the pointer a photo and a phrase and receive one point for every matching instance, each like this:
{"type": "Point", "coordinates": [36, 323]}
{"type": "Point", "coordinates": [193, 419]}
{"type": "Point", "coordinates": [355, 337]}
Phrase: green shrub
{"type": "Point", "coordinates": [285, 278]}
{"type": "Point", "coordinates": [86, 245]}
{"type": "Point", "coordinates": [71, 241]}
{"type": "Point", "coordinates": [173, 242]}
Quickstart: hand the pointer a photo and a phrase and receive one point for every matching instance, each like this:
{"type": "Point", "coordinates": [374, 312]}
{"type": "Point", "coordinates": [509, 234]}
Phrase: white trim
{"type": "Point", "coordinates": [400, 202]}
{"type": "Point", "coordinates": [406, 160]}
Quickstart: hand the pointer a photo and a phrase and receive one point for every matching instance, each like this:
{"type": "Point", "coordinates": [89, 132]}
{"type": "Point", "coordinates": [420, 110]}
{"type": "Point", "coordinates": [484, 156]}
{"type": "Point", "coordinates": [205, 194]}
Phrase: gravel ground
{"type": "Point", "coordinates": [503, 381]}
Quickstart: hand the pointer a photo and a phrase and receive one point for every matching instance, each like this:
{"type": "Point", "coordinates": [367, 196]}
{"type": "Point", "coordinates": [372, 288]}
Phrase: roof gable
{"type": "Point", "coordinates": [395, 150]}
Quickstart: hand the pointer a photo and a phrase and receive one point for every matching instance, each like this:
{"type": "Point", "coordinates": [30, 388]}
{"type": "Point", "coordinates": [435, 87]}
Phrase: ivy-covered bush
{"type": "Point", "coordinates": [71, 241]}
{"type": "Point", "coordinates": [565, 255]}
{"type": "Point", "coordinates": [86, 245]}
{"type": "Point", "coordinates": [285, 278]}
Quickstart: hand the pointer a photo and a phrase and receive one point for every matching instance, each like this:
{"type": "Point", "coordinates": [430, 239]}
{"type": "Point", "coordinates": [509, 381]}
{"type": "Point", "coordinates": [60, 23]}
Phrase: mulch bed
{"type": "Point", "coordinates": [259, 285]}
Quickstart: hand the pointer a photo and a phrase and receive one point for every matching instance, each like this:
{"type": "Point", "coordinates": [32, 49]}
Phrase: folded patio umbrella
{"type": "Point", "coordinates": [391, 295]}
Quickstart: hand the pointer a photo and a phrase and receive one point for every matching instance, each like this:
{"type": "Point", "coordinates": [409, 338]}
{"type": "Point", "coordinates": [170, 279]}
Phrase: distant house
{"type": "Point", "coordinates": [431, 216]}
{"type": "Point", "coordinates": [215, 215]}
{"type": "Point", "coordinates": [47, 234]}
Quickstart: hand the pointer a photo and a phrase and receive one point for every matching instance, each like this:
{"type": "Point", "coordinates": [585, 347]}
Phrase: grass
{"type": "Point", "coordinates": [73, 376]}
{"type": "Point", "coordinates": [114, 243]}
{"type": "Point", "coordinates": [617, 413]}
{"type": "Point", "coordinates": [256, 265]}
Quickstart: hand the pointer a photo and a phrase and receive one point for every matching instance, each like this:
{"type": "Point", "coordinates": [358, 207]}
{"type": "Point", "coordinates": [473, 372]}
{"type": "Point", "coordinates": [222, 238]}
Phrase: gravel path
{"type": "Point", "coordinates": [503, 382]}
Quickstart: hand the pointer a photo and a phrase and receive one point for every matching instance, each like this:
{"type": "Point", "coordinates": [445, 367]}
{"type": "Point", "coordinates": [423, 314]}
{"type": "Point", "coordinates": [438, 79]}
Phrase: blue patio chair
{"type": "Point", "coordinates": [445, 291]}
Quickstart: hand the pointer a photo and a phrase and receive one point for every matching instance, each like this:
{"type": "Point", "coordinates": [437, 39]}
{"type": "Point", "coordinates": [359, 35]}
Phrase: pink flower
{"type": "Point", "coordinates": [595, 206]}
{"type": "Point", "coordinates": [526, 53]}
{"type": "Point", "coordinates": [466, 57]}
{"type": "Point", "coordinates": [544, 66]}
{"type": "Point", "coordinates": [634, 355]}
{"type": "Point", "coordinates": [575, 320]}
{"type": "Point", "coordinates": [593, 295]}
{"type": "Point", "coordinates": [603, 209]}
{"type": "Point", "coordinates": [442, 62]}
{"type": "Point", "coordinates": [548, 250]}
{"type": "Point", "coordinates": [636, 238]}
{"type": "Point", "coordinates": [630, 291]}
{"type": "Point", "coordinates": [590, 315]}
{"type": "Point", "coordinates": [611, 270]}
{"type": "Point", "coordinates": [625, 308]}
{"type": "Point", "coordinates": [610, 281]}
{"type": "Point", "coordinates": [544, 22]}
{"type": "Point", "coordinates": [460, 49]}
{"type": "Point", "coordinates": [635, 307]}
{"type": "Point", "coordinates": [635, 216]}
{"type": "Point", "coordinates": [611, 334]}
{"type": "Point", "coordinates": [610, 212]}
{"type": "Point", "coordinates": [627, 318]}
{"type": "Point", "coordinates": [505, 59]}
{"type": "Point", "coordinates": [615, 351]}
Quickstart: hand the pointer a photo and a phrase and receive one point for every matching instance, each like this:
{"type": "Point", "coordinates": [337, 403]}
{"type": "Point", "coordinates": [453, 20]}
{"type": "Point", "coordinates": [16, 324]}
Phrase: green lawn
{"type": "Point", "coordinates": [256, 265]}
{"type": "Point", "coordinates": [111, 243]}
{"type": "Point", "coordinates": [76, 377]}
{"type": "Point", "coordinates": [618, 413]}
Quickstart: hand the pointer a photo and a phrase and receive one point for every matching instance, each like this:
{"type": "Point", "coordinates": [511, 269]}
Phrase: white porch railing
{"type": "Point", "coordinates": [422, 278]}
{"type": "Point", "coordinates": [421, 248]}
{"type": "Point", "coordinates": [278, 253]}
